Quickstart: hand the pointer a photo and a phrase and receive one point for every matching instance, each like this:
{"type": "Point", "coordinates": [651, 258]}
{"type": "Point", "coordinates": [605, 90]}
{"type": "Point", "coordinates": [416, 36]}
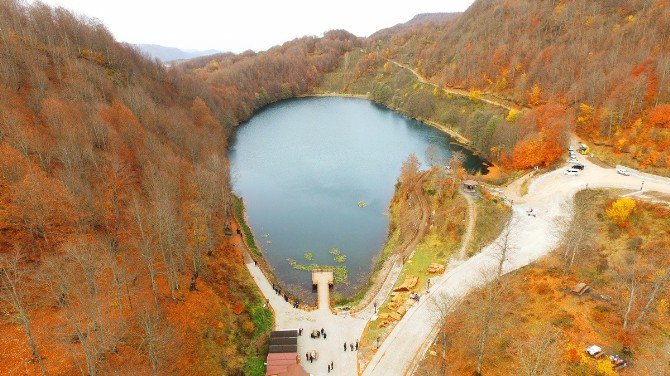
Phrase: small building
{"type": "Point", "coordinates": [283, 359]}
{"type": "Point", "coordinates": [470, 185]}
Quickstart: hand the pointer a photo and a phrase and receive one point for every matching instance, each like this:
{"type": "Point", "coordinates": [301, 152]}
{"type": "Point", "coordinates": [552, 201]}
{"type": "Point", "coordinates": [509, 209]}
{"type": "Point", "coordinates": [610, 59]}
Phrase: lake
{"type": "Point", "coordinates": [303, 165]}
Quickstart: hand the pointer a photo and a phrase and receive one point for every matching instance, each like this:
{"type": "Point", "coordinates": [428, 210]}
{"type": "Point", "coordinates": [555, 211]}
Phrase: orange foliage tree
{"type": "Point", "coordinates": [659, 116]}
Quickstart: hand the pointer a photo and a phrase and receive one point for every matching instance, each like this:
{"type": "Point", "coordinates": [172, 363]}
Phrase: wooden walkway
{"type": "Point", "coordinates": [323, 279]}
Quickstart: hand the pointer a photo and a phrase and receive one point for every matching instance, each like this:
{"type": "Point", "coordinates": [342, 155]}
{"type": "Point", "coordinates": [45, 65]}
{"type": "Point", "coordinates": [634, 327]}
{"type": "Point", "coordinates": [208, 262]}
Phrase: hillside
{"type": "Point", "coordinates": [115, 209]}
{"type": "Point", "coordinates": [530, 322]}
{"type": "Point", "coordinates": [604, 64]}
{"type": "Point", "coordinates": [168, 54]}
{"type": "Point", "coordinates": [250, 81]}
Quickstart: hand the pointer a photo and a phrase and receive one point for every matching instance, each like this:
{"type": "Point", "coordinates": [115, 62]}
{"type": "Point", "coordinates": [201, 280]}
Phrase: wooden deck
{"type": "Point", "coordinates": [323, 279]}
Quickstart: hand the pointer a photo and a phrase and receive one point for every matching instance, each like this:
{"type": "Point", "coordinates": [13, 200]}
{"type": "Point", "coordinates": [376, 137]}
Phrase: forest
{"type": "Point", "coordinates": [604, 66]}
{"type": "Point", "coordinates": [531, 322]}
{"type": "Point", "coordinates": [115, 211]}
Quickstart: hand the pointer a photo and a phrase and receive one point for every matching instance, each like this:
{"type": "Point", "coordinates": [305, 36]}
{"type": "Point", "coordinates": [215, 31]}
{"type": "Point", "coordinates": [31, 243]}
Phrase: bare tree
{"type": "Point", "coordinates": [541, 354]}
{"type": "Point", "coordinates": [443, 306]}
{"type": "Point", "coordinates": [89, 329]}
{"type": "Point", "coordinates": [433, 156]}
{"type": "Point", "coordinates": [155, 338]}
{"type": "Point", "coordinates": [455, 165]}
{"type": "Point", "coordinates": [577, 230]}
{"type": "Point", "coordinates": [639, 279]}
{"type": "Point", "coordinates": [492, 308]}
{"type": "Point", "coordinates": [12, 285]}
{"type": "Point", "coordinates": [146, 248]}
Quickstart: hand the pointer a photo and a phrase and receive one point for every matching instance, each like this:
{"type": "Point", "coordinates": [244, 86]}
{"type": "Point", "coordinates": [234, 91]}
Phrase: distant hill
{"type": "Point", "coordinates": [606, 63]}
{"type": "Point", "coordinates": [167, 54]}
{"type": "Point", "coordinates": [419, 19]}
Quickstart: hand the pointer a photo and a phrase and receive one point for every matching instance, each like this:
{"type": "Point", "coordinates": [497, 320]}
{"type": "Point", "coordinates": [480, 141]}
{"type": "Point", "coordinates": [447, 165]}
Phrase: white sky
{"type": "Point", "coordinates": [239, 25]}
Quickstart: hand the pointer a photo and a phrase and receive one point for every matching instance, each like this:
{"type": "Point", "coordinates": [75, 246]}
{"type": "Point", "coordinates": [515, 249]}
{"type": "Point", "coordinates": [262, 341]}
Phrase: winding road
{"type": "Point", "coordinates": [530, 238]}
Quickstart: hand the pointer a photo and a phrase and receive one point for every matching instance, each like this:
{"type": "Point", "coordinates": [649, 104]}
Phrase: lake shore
{"type": "Point", "coordinates": [364, 283]}
{"type": "Point", "coordinates": [459, 139]}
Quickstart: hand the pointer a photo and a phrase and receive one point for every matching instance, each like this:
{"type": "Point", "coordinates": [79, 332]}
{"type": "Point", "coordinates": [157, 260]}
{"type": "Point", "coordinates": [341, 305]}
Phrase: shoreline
{"type": "Point", "coordinates": [381, 268]}
{"type": "Point", "coordinates": [458, 138]}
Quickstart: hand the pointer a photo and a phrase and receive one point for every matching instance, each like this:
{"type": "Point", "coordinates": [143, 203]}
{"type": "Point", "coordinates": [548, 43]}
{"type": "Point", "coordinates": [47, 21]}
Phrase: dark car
{"type": "Point", "coordinates": [578, 166]}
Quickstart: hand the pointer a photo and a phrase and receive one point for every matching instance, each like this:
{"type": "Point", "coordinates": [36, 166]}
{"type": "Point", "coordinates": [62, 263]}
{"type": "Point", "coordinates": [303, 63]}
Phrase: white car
{"type": "Point", "coordinates": [622, 171]}
{"type": "Point", "coordinates": [571, 149]}
{"type": "Point", "coordinates": [571, 172]}
{"type": "Point", "coordinates": [573, 160]}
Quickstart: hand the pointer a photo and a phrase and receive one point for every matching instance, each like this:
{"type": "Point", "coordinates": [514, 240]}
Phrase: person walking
{"type": "Point", "coordinates": [329, 368]}
{"type": "Point", "coordinates": [332, 365]}
{"type": "Point", "coordinates": [345, 347]}
{"type": "Point", "coordinates": [356, 345]}
{"type": "Point", "coordinates": [324, 335]}
{"type": "Point", "coordinates": [352, 346]}
{"type": "Point", "coordinates": [322, 331]}
{"type": "Point", "coordinates": [306, 356]}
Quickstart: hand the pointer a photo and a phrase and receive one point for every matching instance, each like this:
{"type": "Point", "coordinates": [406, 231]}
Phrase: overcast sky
{"type": "Point", "coordinates": [240, 25]}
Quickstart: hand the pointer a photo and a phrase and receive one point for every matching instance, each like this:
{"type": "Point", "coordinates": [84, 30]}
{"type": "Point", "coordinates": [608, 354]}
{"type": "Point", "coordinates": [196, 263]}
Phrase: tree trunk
{"type": "Point", "coordinates": [631, 299]}
{"type": "Point", "coordinates": [657, 286]}
{"type": "Point", "coordinates": [31, 341]}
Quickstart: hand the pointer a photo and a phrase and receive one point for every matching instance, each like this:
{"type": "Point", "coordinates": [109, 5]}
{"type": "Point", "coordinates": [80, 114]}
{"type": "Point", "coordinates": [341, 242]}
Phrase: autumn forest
{"type": "Point", "coordinates": [116, 211]}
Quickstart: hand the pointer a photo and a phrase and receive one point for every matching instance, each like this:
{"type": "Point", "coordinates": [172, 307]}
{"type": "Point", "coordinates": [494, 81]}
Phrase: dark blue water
{"type": "Point", "coordinates": [303, 165]}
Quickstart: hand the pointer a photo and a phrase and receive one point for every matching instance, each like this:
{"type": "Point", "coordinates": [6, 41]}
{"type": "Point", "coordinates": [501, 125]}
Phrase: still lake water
{"type": "Point", "coordinates": [303, 165]}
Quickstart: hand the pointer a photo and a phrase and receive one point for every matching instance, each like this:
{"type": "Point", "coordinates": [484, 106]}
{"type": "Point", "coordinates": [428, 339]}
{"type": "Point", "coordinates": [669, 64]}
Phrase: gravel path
{"type": "Point", "coordinates": [483, 97]}
{"type": "Point", "coordinates": [472, 219]}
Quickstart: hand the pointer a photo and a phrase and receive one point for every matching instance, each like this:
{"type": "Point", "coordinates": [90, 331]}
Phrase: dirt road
{"type": "Point", "coordinates": [469, 230]}
{"type": "Point", "coordinates": [454, 91]}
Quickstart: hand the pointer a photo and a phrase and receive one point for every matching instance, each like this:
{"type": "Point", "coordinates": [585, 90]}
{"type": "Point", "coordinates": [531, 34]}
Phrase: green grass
{"type": "Point", "coordinates": [262, 319]}
{"type": "Point", "coordinates": [254, 365]}
{"type": "Point", "coordinates": [398, 89]}
{"type": "Point", "coordinates": [238, 207]}
{"type": "Point", "coordinates": [340, 272]}
{"type": "Point", "coordinates": [492, 215]}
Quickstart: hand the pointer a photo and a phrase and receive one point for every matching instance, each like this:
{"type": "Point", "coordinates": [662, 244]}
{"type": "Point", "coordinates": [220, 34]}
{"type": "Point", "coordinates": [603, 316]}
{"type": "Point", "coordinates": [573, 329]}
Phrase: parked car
{"type": "Point", "coordinates": [623, 171]}
{"type": "Point", "coordinates": [573, 160]}
{"type": "Point", "coordinates": [578, 166]}
{"type": "Point", "coordinates": [571, 172]}
{"type": "Point", "coordinates": [571, 149]}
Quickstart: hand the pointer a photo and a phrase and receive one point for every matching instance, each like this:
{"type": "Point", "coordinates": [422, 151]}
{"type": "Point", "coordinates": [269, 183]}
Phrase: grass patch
{"type": "Point", "coordinates": [262, 319]}
{"type": "Point", "coordinates": [238, 208]}
{"type": "Point", "coordinates": [340, 272]}
{"type": "Point", "coordinates": [492, 215]}
{"type": "Point", "coordinates": [337, 255]}
{"type": "Point", "coordinates": [254, 365]}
